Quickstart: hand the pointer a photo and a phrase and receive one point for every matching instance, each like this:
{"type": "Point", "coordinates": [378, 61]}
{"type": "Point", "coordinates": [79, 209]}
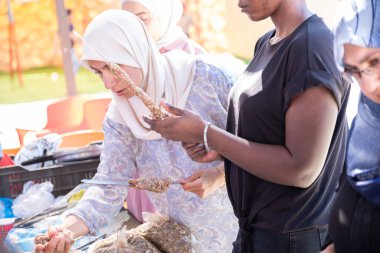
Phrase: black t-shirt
{"type": "Point", "coordinates": [258, 105]}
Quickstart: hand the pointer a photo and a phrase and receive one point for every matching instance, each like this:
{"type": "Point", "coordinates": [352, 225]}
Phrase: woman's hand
{"type": "Point", "coordinates": [204, 182]}
{"type": "Point", "coordinates": [184, 125]}
{"type": "Point", "coordinates": [59, 241]}
{"type": "Point", "coordinates": [198, 153]}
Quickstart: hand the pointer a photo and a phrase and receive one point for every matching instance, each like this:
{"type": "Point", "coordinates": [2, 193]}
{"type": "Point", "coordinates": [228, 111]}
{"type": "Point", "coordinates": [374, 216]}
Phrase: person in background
{"type": "Point", "coordinates": [355, 216]}
{"type": "Point", "coordinates": [73, 39]}
{"type": "Point", "coordinates": [284, 145]}
{"type": "Point", "coordinates": [161, 18]}
{"type": "Point", "coordinates": [130, 148]}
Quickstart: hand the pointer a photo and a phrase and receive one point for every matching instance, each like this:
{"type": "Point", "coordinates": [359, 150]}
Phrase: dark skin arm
{"type": "Point", "coordinates": [310, 122]}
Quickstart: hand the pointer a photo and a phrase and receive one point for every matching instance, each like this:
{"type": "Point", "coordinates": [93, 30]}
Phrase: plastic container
{"type": "Point", "coordinates": [6, 224]}
{"type": "Point", "coordinates": [64, 177]}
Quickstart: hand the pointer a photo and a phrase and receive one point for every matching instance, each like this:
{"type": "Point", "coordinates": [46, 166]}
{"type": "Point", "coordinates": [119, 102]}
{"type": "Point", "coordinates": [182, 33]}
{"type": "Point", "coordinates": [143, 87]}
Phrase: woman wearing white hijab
{"type": "Point", "coordinates": [130, 146]}
{"type": "Point", "coordinates": [161, 18]}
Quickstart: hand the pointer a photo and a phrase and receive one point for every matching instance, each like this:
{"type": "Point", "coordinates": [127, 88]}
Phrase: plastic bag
{"type": "Point", "coordinates": [158, 234]}
{"type": "Point", "coordinates": [45, 145]}
{"type": "Point", "coordinates": [166, 234]}
{"type": "Point", "coordinates": [34, 199]}
{"type": "Point", "coordinates": [6, 208]}
{"type": "Point", "coordinates": [21, 240]}
{"type": "Point", "coordinates": [2, 210]}
{"type": "Point", "coordinates": [121, 242]}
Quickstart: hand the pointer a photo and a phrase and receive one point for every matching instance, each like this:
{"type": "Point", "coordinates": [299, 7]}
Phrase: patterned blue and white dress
{"type": "Point", "coordinates": [211, 220]}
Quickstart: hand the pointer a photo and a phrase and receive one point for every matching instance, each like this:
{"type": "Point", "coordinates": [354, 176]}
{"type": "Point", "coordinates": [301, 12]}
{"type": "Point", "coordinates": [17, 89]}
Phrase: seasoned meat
{"type": "Point", "coordinates": [123, 242]}
{"type": "Point", "coordinates": [152, 184]}
{"type": "Point", "coordinates": [41, 239]}
{"type": "Point", "coordinates": [120, 74]}
{"type": "Point", "coordinates": [168, 236]}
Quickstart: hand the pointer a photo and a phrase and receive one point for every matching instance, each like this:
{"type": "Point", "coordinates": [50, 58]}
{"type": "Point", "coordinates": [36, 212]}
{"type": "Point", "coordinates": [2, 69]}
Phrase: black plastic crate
{"type": "Point", "coordinates": [64, 177]}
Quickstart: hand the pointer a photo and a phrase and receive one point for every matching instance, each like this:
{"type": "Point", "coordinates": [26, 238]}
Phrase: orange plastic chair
{"type": "Point", "coordinates": [94, 112]}
{"type": "Point", "coordinates": [11, 151]}
{"type": "Point", "coordinates": [63, 116]}
{"type": "Point", "coordinates": [80, 138]}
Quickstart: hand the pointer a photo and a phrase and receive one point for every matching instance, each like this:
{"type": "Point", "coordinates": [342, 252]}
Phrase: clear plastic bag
{"type": "Point", "coordinates": [166, 234]}
{"type": "Point", "coordinates": [34, 199]}
{"type": "Point", "coordinates": [158, 234]}
{"type": "Point", "coordinates": [45, 145]}
{"type": "Point", "coordinates": [121, 242]}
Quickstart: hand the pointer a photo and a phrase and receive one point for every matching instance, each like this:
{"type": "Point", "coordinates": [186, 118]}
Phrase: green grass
{"type": "Point", "coordinates": [45, 83]}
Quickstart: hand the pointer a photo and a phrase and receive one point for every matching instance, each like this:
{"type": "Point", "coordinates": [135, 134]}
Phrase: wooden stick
{"type": "Point", "coordinates": [120, 74]}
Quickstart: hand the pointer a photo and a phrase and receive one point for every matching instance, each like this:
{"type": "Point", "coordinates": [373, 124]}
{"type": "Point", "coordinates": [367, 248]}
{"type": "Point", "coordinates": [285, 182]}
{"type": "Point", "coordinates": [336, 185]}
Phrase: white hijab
{"type": "Point", "coordinates": [169, 13]}
{"type": "Point", "coordinates": [120, 37]}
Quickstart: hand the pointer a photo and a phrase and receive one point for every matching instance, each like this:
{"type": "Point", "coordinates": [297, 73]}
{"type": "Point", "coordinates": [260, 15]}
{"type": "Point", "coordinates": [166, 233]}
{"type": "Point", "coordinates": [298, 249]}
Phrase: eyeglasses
{"type": "Point", "coordinates": [372, 69]}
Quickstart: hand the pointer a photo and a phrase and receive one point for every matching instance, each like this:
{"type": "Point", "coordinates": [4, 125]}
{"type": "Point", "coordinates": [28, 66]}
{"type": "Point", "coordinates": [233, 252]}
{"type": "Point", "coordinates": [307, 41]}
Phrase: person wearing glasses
{"type": "Point", "coordinates": [355, 216]}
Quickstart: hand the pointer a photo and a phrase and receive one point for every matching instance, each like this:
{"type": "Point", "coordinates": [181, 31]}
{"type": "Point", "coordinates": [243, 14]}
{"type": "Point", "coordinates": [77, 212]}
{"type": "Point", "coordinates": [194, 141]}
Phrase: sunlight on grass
{"type": "Point", "coordinates": [45, 83]}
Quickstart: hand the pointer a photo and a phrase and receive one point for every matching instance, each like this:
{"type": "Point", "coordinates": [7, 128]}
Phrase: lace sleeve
{"type": "Point", "coordinates": [101, 203]}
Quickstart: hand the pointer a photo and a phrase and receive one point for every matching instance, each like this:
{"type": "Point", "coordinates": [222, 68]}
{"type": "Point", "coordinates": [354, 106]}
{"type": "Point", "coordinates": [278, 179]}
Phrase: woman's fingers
{"type": "Point", "coordinates": [171, 108]}
{"type": "Point", "coordinates": [53, 231]}
{"type": "Point", "coordinates": [187, 145]}
{"type": "Point", "coordinates": [193, 181]}
{"type": "Point", "coordinates": [61, 243]}
{"type": "Point", "coordinates": [51, 245]}
{"type": "Point", "coordinates": [157, 125]}
{"type": "Point", "coordinates": [193, 186]}
{"type": "Point", "coordinates": [183, 125]}
{"type": "Point", "coordinates": [39, 248]}
{"type": "Point", "coordinates": [192, 151]}
{"type": "Point", "coordinates": [68, 242]}
{"type": "Point", "coordinates": [195, 151]}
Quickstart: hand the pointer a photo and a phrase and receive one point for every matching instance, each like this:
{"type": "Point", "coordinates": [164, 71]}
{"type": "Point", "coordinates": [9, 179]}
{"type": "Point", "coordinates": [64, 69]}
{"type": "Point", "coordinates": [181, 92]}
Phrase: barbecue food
{"type": "Point", "coordinates": [167, 235]}
{"type": "Point", "coordinates": [41, 239]}
{"type": "Point", "coordinates": [123, 242]}
{"type": "Point", "coordinates": [152, 184]}
{"type": "Point", "coordinates": [158, 235]}
{"type": "Point", "coordinates": [120, 74]}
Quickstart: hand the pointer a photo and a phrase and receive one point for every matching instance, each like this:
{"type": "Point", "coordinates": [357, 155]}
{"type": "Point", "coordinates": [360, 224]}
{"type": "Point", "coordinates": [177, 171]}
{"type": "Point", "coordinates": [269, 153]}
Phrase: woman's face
{"type": "Point", "coordinates": [259, 9]}
{"type": "Point", "coordinates": [112, 83]}
{"type": "Point", "coordinates": [363, 64]}
{"type": "Point", "coordinates": [150, 20]}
